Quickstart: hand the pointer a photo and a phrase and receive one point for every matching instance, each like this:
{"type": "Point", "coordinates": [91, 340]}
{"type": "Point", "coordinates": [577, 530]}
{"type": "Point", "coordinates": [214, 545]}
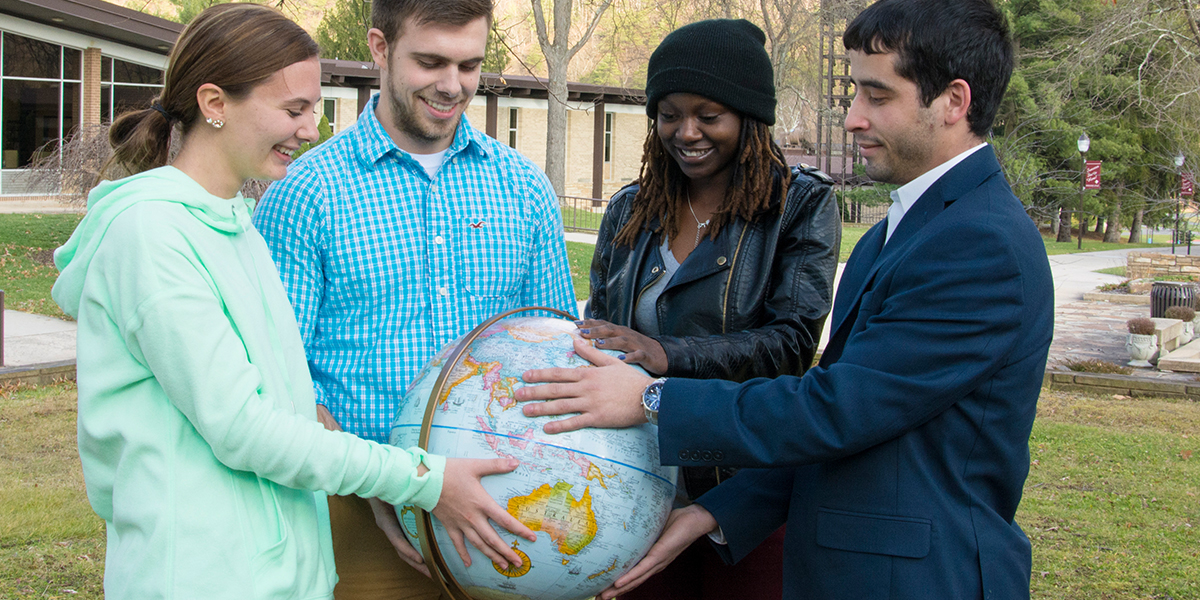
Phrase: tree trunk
{"type": "Point", "coordinates": [1064, 226]}
{"type": "Point", "coordinates": [1135, 228]}
{"type": "Point", "coordinates": [1112, 233]}
{"type": "Point", "coordinates": [1054, 226]}
{"type": "Point", "coordinates": [1099, 225]}
{"type": "Point", "coordinates": [556, 124]}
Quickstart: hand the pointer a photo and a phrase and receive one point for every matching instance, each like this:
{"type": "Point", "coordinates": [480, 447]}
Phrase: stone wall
{"type": "Point", "coordinates": [1142, 265]}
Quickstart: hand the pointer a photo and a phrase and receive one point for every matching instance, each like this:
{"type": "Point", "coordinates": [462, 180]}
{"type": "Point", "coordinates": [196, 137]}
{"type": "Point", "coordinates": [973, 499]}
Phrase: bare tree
{"type": "Point", "coordinates": [558, 53]}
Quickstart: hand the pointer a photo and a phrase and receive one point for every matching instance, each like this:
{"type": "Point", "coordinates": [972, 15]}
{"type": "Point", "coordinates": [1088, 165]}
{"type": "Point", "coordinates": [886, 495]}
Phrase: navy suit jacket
{"type": "Point", "coordinates": [898, 462]}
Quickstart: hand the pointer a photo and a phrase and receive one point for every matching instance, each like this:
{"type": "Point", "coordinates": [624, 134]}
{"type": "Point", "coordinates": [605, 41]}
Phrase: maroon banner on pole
{"type": "Point", "coordinates": [1185, 185]}
{"type": "Point", "coordinates": [1091, 177]}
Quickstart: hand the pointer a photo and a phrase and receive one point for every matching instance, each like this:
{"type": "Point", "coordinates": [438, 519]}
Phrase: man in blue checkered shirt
{"type": "Point", "coordinates": [401, 234]}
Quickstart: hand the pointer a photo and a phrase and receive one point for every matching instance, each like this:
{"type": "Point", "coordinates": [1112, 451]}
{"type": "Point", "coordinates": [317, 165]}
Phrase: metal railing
{"type": "Point", "coordinates": [582, 214]}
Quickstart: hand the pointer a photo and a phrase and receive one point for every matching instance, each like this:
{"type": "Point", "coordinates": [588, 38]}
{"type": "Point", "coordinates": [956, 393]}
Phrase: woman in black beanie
{"type": "Point", "coordinates": [719, 262]}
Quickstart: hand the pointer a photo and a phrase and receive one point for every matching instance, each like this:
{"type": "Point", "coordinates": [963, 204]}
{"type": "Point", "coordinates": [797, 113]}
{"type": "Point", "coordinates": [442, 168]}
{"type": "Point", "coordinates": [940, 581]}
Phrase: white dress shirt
{"type": "Point", "coordinates": [907, 195]}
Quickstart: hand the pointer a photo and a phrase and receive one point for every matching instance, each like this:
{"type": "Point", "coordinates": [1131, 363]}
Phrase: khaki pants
{"type": "Point", "coordinates": [367, 565]}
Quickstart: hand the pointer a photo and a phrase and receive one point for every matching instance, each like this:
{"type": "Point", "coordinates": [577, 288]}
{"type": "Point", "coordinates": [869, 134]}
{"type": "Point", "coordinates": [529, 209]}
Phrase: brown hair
{"type": "Point", "coordinates": [389, 16]}
{"type": "Point", "coordinates": [232, 46]}
{"type": "Point", "coordinates": [761, 174]}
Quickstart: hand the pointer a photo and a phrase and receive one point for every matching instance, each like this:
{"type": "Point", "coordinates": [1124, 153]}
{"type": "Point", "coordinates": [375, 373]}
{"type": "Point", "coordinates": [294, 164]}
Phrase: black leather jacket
{"type": "Point", "coordinates": [749, 303]}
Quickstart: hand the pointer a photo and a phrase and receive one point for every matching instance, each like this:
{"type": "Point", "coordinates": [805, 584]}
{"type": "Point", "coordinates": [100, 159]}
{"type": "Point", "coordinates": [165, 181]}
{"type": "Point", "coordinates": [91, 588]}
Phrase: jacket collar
{"type": "Point", "coordinates": [871, 252]}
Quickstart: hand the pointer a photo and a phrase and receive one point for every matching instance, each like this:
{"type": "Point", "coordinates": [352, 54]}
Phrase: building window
{"type": "Point", "coordinates": [42, 94]}
{"type": "Point", "coordinates": [330, 109]}
{"type": "Point", "coordinates": [512, 128]}
{"type": "Point", "coordinates": [608, 129]}
{"type": "Point", "coordinates": [126, 86]}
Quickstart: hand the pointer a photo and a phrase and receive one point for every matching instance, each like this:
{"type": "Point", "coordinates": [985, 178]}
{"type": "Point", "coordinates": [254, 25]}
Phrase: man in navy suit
{"type": "Point", "coordinates": [898, 462]}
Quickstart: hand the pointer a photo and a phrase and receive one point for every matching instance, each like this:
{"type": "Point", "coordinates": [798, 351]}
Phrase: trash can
{"type": "Point", "coordinates": [1164, 294]}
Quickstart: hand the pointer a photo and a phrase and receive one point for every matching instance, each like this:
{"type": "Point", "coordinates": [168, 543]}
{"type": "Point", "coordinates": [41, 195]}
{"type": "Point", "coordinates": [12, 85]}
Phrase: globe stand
{"type": "Point", "coordinates": [429, 548]}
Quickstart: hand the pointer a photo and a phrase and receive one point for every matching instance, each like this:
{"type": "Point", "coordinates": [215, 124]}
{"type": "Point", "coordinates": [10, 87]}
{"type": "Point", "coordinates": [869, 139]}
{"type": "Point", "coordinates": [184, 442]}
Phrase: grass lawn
{"type": "Point", "coordinates": [51, 543]}
{"type": "Point", "coordinates": [27, 272]}
{"type": "Point", "coordinates": [1110, 505]}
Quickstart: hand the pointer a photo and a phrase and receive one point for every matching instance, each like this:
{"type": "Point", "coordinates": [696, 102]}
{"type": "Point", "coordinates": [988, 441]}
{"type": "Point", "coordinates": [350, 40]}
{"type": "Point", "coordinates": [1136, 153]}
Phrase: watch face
{"type": "Point", "coordinates": [652, 395]}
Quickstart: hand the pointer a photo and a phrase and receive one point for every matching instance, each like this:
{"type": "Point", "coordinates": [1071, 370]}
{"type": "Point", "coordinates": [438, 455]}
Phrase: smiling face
{"type": "Point", "coordinates": [429, 74]}
{"type": "Point", "coordinates": [701, 135]}
{"type": "Point", "coordinates": [265, 128]}
{"type": "Point", "coordinates": [899, 137]}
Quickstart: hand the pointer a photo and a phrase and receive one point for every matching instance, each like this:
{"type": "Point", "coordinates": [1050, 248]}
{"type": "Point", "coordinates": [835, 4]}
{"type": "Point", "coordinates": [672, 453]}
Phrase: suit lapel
{"type": "Point", "coordinates": [860, 271]}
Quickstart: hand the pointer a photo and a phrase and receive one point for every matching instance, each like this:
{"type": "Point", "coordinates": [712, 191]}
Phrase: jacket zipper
{"type": "Point", "coordinates": [729, 280]}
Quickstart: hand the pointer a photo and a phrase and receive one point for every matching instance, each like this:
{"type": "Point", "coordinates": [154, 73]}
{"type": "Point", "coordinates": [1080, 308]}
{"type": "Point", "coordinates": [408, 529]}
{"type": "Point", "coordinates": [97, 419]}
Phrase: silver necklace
{"type": "Point", "coordinates": [699, 225]}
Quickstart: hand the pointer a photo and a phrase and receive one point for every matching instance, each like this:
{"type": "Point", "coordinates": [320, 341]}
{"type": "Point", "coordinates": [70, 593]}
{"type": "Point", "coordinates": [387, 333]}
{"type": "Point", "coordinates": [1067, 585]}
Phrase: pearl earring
{"type": "Point", "coordinates": [216, 123]}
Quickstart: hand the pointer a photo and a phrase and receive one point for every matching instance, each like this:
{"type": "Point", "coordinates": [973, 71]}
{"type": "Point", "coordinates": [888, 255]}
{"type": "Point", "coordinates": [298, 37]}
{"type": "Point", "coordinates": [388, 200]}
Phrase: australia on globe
{"type": "Point", "coordinates": [596, 498]}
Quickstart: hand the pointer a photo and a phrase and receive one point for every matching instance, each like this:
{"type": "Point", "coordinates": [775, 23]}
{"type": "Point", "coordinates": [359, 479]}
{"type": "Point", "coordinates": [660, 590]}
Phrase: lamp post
{"type": "Point", "coordinates": [1084, 143]}
{"type": "Point", "coordinates": [1178, 165]}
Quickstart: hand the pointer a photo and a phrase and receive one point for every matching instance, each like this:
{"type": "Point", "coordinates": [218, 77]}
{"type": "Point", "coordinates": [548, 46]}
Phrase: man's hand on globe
{"type": "Point", "coordinates": [608, 395]}
{"type": "Point", "coordinates": [464, 509]}
{"type": "Point", "coordinates": [684, 526]}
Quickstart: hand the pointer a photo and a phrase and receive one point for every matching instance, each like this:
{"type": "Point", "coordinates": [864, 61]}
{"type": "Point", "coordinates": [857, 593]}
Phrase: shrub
{"type": "Point", "coordinates": [1183, 313]}
{"type": "Point", "coordinates": [1119, 288]}
{"type": "Point", "coordinates": [1140, 326]}
{"type": "Point", "coordinates": [1095, 365]}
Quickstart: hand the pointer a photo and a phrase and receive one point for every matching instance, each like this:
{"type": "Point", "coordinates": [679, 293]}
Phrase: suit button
{"type": "Point", "coordinates": [718, 456]}
{"type": "Point", "coordinates": [683, 455]}
{"type": "Point", "coordinates": [695, 455]}
{"type": "Point", "coordinates": [721, 261]}
{"type": "Point", "coordinates": [707, 456]}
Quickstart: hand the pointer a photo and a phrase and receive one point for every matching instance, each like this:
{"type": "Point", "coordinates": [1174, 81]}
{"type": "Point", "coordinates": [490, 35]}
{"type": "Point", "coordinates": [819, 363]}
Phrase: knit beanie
{"type": "Point", "coordinates": [722, 59]}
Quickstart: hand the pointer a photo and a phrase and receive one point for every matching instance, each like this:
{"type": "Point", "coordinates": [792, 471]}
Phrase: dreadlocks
{"type": "Point", "coordinates": [760, 175]}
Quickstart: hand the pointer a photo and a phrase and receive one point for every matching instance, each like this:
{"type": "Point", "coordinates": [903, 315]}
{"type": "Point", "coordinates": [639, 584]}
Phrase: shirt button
{"type": "Point", "coordinates": [444, 291]}
{"type": "Point", "coordinates": [439, 240]}
{"type": "Point", "coordinates": [433, 189]}
{"type": "Point", "coordinates": [721, 261]}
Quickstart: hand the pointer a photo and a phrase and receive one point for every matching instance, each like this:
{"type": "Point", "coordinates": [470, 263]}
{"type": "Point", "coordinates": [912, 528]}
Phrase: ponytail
{"type": "Point", "coordinates": [141, 140]}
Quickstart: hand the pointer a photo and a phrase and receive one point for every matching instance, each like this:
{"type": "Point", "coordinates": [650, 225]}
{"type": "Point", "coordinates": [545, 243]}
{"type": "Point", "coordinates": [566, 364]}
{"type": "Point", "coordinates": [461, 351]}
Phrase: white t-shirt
{"type": "Point", "coordinates": [431, 162]}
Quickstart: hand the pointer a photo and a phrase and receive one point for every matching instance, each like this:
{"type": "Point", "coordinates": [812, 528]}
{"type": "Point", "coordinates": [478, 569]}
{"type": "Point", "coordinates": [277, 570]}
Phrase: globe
{"type": "Point", "coordinates": [597, 499]}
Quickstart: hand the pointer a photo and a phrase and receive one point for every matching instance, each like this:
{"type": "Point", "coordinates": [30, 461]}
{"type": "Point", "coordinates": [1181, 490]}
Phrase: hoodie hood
{"type": "Point", "coordinates": [111, 198]}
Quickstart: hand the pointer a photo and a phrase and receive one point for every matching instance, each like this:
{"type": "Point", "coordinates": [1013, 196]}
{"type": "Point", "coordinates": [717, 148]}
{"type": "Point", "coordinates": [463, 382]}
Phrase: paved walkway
{"type": "Point", "coordinates": [1082, 329]}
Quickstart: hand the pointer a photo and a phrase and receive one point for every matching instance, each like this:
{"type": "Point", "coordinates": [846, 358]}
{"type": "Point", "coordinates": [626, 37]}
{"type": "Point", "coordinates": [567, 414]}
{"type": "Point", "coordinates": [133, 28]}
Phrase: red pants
{"type": "Point", "coordinates": [700, 574]}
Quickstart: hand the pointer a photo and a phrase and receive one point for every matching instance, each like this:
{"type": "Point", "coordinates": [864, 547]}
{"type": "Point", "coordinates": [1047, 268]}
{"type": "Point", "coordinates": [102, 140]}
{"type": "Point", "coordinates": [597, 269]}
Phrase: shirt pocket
{"type": "Point", "coordinates": [494, 254]}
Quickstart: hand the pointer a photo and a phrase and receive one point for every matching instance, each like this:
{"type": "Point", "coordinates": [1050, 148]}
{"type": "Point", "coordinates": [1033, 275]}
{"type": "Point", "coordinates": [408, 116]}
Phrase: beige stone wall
{"type": "Point", "coordinates": [347, 113]}
{"type": "Point", "coordinates": [477, 114]}
{"type": "Point", "coordinates": [1141, 265]}
{"type": "Point", "coordinates": [629, 135]}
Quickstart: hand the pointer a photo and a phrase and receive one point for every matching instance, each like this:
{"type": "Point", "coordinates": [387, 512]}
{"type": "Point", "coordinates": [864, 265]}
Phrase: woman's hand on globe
{"type": "Point", "coordinates": [608, 395]}
{"type": "Point", "coordinates": [465, 507]}
{"type": "Point", "coordinates": [684, 526]}
{"type": "Point", "coordinates": [639, 349]}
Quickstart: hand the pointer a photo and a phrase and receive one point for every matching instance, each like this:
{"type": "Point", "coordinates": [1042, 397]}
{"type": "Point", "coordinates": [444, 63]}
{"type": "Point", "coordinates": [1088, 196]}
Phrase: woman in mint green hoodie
{"type": "Point", "coordinates": [197, 426]}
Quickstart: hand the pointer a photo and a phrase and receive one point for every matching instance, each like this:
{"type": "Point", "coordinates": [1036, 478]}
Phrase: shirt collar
{"type": "Point", "coordinates": [908, 194]}
{"type": "Point", "coordinates": [373, 141]}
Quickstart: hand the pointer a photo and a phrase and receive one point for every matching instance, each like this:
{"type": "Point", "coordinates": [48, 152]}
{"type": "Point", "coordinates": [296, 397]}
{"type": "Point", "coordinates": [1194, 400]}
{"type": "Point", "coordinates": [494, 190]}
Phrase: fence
{"type": "Point", "coordinates": [582, 214]}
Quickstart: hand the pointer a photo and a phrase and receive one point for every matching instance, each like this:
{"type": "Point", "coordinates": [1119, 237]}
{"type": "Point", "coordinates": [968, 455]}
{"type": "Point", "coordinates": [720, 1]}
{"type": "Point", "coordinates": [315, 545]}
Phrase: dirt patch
{"type": "Point", "coordinates": [43, 257]}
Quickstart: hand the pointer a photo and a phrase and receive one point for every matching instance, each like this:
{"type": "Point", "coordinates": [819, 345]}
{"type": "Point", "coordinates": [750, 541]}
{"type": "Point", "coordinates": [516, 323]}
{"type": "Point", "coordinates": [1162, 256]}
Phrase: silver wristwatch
{"type": "Point", "coordinates": [650, 399]}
